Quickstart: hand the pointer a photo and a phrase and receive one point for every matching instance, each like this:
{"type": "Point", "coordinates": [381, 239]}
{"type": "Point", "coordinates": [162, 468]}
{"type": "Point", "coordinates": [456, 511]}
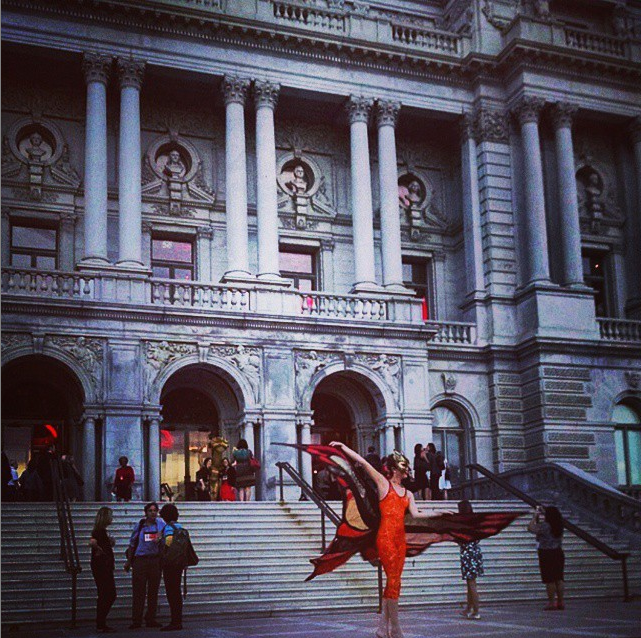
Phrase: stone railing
{"type": "Point", "coordinates": [343, 306]}
{"type": "Point", "coordinates": [570, 487]}
{"type": "Point", "coordinates": [594, 42]}
{"type": "Point", "coordinates": [309, 16]}
{"type": "Point", "coordinates": [453, 332]}
{"type": "Point", "coordinates": [190, 294]}
{"type": "Point", "coordinates": [54, 284]}
{"type": "Point", "coordinates": [620, 329]}
{"type": "Point", "coordinates": [428, 39]}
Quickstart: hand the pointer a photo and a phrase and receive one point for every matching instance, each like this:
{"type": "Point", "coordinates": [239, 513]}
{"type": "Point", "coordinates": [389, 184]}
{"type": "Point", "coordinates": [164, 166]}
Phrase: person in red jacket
{"type": "Point", "coordinates": [124, 479]}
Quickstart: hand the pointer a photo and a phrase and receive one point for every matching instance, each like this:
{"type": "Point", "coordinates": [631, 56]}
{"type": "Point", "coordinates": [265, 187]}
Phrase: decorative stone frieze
{"type": "Point", "coordinates": [491, 126]}
{"type": "Point", "coordinates": [388, 368]}
{"type": "Point", "coordinates": [235, 89]}
{"type": "Point", "coordinates": [96, 67]}
{"type": "Point", "coordinates": [387, 112]}
{"type": "Point", "coordinates": [87, 351]}
{"type": "Point", "coordinates": [266, 93]}
{"type": "Point", "coordinates": [131, 72]}
{"type": "Point", "coordinates": [359, 108]}
{"type": "Point", "coordinates": [528, 109]}
{"type": "Point", "coordinates": [15, 340]}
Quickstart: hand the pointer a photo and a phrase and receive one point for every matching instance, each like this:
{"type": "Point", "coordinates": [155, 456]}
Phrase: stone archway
{"type": "Point", "coordinates": [198, 401]}
{"type": "Point", "coordinates": [39, 390]}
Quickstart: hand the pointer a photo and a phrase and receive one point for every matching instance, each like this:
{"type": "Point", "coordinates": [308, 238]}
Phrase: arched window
{"type": "Point", "coordinates": [627, 438]}
{"type": "Point", "coordinates": [448, 435]}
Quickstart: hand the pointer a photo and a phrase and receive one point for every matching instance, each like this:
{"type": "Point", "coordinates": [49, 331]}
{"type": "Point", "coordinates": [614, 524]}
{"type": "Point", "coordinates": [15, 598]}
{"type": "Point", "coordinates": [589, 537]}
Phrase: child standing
{"type": "Point", "coordinates": [471, 568]}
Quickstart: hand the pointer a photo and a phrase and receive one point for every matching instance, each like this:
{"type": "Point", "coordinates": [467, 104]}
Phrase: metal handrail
{"type": "Point", "coordinates": [326, 510]}
{"type": "Point", "coordinates": [68, 545]}
{"type": "Point", "coordinates": [604, 548]}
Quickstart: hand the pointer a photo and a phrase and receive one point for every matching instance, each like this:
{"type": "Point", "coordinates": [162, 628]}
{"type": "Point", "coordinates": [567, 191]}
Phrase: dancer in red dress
{"type": "Point", "coordinates": [394, 501]}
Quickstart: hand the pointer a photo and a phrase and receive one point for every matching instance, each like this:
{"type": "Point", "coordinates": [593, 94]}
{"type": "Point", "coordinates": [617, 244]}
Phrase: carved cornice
{"type": "Point", "coordinates": [562, 114]}
{"type": "Point", "coordinates": [358, 109]}
{"type": "Point", "coordinates": [528, 109]}
{"type": "Point", "coordinates": [131, 72]}
{"type": "Point", "coordinates": [266, 94]}
{"type": "Point", "coordinates": [235, 89]}
{"type": "Point", "coordinates": [491, 126]}
{"type": "Point", "coordinates": [387, 112]}
{"type": "Point", "coordinates": [96, 67]}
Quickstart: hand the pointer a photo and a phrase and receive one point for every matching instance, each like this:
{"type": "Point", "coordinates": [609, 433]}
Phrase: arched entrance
{"type": "Point", "coordinates": [198, 402]}
{"type": "Point", "coordinates": [344, 409]}
{"type": "Point", "coordinates": [39, 391]}
{"type": "Point", "coordinates": [449, 436]}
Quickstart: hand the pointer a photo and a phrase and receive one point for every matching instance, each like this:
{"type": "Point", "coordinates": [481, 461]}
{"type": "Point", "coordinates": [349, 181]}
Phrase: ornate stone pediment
{"type": "Point", "coordinates": [172, 172]}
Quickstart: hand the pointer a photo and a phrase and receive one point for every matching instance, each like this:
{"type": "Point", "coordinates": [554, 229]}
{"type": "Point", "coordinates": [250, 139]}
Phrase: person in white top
{"type": "Point", "coordinates": [444, 483]}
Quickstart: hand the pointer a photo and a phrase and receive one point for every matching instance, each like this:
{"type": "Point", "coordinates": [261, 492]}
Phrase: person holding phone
{"type": "Point", "coordinates": [143, 554]}
{"type": "Point", "coordinates": [547, 524]}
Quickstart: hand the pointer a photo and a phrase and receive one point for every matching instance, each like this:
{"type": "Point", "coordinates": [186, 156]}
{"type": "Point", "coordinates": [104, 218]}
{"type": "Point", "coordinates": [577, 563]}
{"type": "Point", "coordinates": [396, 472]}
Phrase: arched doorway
{"type": "Point", "coordinates": [198, 402]}
{"type": "Point", "coordinates": [344, 409]}
{"type": "Point", "coordinates": [448, 434]}
{"type": "Point", "coordinates": [39, 391]}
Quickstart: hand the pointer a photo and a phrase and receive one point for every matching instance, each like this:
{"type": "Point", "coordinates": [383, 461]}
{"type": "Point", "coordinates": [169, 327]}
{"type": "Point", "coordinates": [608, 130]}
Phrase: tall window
{"type": "Point", "coordinates": [448, 435]}
{"type": "Point", "coordinates": [416, 277]}
{"type": "Point", "coordinates": [34, 246]}
{"type": "Point", "coordinates": [595, 275]}
{"type": "Point", "coordinates": [627, 439]}
{"type": "Point", "coordinates": [300, 266]}
{"type": "Point", "coordinates": [172, 258]}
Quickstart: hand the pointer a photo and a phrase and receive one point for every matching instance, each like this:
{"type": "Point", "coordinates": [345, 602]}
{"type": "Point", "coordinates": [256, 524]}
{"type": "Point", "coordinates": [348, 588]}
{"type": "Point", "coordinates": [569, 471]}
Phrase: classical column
{"type": "Point", "coordinates": [205, 235]}
{"type": "Point", "coordinates": [635, 225]}
{"type": "Point", "coordinates": [129, 160]}
{"type": "Point", "coordinates": [147, 229]}
{"type": "Point", "coordinates": [89, 458]}
{"type": "Point", "coordinates": [265, 98]}
{"type": "Point", "coordinates": [67, 241]}
{"type": "Point", "coordinates": [306, 438]}
{"type": "Point", "coordinates": [247, 433]}
{"type": "Point", "coordinates": [534, 220]}
{"type": "Point", "coordinates": [386, 116]}
{"type": "Point", "coordinates": [471, 208]}
{"type": "Point", "coordinates": [96, 69]}
{"type": "Point", "coordinates": [358, 109]}
{"type": "Point", "coordinates": [153, 465]}
{"type": "Point", "coordinates": [235, 93]}
{"type": "Point", "coordinates": [390, 440]}
{"type": "Point", "coordinates": [562, 115]}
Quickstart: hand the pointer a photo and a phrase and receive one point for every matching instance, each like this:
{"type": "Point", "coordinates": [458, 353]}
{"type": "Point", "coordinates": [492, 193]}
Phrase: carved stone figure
{"type": "Point", "coordinates": [83, 354]}
{"type": "Point", "coordinates": [247, 360]}
{"type": "Point", "coordinates": [175, 168]}
{"type": "Point", "coordinates": [389, 369]}
{"type": "Point", "coordinates": [35, 151]}
{"type": "Point", "coordinates": [159, 354]}
{"type": "Point", "coordinates": [411, 195]}
{"type": "Point", "coordinates": [541, 9]}
{"type": "Point", "coordinates": [449, 382]}
{"type": "Point", "coordinates": [306, 364]}
{"type": "Point", "coordinates": [298, 182]}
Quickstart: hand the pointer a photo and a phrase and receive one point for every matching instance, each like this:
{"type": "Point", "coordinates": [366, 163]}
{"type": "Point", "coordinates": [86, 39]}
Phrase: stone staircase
{"type": "Point", "coordinates": [255, 557]}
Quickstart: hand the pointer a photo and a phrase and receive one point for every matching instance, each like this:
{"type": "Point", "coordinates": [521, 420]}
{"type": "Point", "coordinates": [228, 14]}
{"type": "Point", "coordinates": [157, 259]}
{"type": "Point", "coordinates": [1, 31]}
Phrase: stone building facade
{"type": "Point", "coordinates": [289, 220]}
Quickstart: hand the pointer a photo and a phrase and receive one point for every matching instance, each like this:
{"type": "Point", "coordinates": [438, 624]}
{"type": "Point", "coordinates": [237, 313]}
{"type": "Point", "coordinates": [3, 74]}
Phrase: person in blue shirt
{"type": "Point", "coordinates": [143, 554]}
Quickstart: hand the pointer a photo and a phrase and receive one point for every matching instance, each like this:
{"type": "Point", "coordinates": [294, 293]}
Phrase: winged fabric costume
{"type": "Point", "coordinates": [360, 524]}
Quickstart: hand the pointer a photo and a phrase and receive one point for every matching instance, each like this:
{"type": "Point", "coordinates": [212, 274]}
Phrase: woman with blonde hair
{"type": "Point", "coordinates": [102, 567]}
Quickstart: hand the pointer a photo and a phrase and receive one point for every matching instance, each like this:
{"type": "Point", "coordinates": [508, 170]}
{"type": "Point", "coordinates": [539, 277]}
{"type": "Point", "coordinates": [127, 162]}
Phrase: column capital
{"type": "Point", "coordinates": [131, 72]}
{"type": "Point", "coordinates": [635, 129]}
{"type": "Point", "coordinates": [235, 89]}
{"type": "Point", "coordinates": [491, 126]}
{"type": "Point", "coordinates": [205, 232]}
{"type": "Point", "coordinates": [147, 226]}
{"type": "Point", "coordinates": [96, 67]}
{"type": "Point", "coordinates": [528, 109]}
{"type": "Point", "coordinates": [266, 94]}
{"type": "Point", "coordinates": [359, 108]}
{"type": "Point", "coordinates": [562, 114]}
{"type": "Point", "coordinates": [68, 219]}
{"type": "Point", "coordinates": [467, 127]}
{"type": "Point", "coordinates": [387, 112]}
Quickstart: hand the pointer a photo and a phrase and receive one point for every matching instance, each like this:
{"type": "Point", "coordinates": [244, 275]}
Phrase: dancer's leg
{"type": "Point", "coordinates": [395, 630]}
{"type": "Point", "coordinates": [383, 622]}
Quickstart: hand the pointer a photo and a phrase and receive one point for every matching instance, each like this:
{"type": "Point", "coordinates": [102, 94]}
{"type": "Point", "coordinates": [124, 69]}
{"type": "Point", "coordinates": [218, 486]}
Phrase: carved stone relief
{"type": "Point", "coordinates": [306, 364]}
{"type": "Point", "coordinates": [15, 340]}
{"type": "Point", "coordinates": [172, 170]}
{"type": "Point", "coordinates": [34, 149]}
{"type": "Point", "coordinates": [159, 354]}
{"type": "Point", "coordinates": [388, 368]}
{"type": "Point", "coordinates": [246, 358]}
{"type": "Point", "coordinates": [417, 202]}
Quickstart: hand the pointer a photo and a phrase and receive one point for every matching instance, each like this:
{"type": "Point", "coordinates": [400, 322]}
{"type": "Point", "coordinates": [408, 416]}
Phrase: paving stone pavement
{"type": "Point", "coordinates": [581, 619]}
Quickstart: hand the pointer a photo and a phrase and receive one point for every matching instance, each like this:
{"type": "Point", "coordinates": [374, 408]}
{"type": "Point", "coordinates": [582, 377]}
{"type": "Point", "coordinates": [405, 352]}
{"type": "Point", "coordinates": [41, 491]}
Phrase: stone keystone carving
{"type": "Point", "coordinates": [449, 382]}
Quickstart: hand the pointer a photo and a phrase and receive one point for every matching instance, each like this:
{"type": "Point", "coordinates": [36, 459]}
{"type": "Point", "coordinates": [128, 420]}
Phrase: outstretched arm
{"type": "Point", "coordinates": [417, 514]}
{"type": "Point", "coordinates": [375, 475]}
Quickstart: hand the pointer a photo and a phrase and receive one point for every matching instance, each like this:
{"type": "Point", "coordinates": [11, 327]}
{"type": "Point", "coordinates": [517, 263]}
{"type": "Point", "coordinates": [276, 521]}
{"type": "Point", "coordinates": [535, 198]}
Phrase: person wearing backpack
{"type": "Point", "coordinates": [177, 555]}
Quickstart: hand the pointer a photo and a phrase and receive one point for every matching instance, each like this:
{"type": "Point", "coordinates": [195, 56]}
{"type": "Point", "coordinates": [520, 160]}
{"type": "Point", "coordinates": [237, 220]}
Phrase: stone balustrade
{"type": "Point", "coordinates": [456, 332]}
{"type": "Point", "coordinates": [595, 42]}
{"type": "Point", "coordinates": [428, 39]}
{"type": "Point", "coordinates": [620, 329]}
{"type": "Point", "coordinates": [343, 306]}
{"type": "Point", "coordinates": [202, 296]}
{"type": "Point", "coordinates": [47, 284]}
{"type": "Point", "coordinates": [309, 16]}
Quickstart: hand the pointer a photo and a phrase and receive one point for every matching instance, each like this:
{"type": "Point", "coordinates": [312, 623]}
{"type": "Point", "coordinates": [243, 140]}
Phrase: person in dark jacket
{"type": "Point", "coordinates": [172, 574]}
{"type": "Point", "coordinates": [102, 567]}
{"type": "Point", "coordinates": [421, 468]}
{"type": "Point", "coordinates": [71, 478]}
{"type": "Point", "coordinates": [374, 459]}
